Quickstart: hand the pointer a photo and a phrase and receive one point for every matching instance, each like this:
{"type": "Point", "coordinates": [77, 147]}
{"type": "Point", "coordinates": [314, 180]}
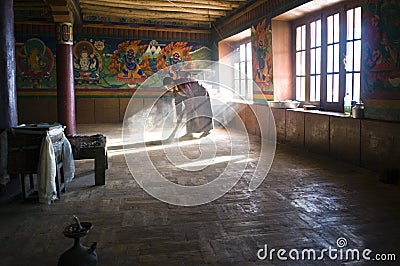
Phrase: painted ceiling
{"type": "Point", "coordinates": [159, 13]}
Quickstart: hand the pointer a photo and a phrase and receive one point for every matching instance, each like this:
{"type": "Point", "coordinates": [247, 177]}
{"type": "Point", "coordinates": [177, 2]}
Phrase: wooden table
{"type": "Point", "coordinates": [24, 143]}
{"type": "Point", "coordinates": [91, 147]}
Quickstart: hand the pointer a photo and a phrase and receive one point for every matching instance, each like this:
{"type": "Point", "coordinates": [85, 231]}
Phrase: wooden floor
{"type": "Point", "coordinates": [307, 201]}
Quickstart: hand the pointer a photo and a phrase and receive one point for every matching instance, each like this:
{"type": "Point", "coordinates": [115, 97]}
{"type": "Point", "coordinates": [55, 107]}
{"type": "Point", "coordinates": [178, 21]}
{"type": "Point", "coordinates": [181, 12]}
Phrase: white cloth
{"type": "Point", "coordinates": [68, 160]}
{"type": "Point", "coordinates": [47, 169]}
{"type": "Point", "coordinates": [4, 177]}
{"type": "Point", "coordinates": [47, 172]}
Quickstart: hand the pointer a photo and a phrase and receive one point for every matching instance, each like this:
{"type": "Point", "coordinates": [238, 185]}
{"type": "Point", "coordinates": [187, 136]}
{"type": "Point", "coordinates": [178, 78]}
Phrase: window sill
{"type": "Point", "coordinates": [330, 113]}
{"type": "Point", "coordinates": [301, 110]}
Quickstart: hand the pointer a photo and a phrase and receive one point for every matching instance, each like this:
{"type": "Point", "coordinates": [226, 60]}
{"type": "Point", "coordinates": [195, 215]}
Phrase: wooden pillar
{"type": "Point", "coordinates": [8, 91]}
{"type": "Point", "coordinates": [65, 77]}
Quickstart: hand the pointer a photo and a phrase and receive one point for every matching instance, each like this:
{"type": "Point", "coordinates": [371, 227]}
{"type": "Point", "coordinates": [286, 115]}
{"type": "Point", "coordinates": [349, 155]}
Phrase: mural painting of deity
{"type": "Point", "coordinates": [35, 62]}
{"type": "Point", "coordinates": [381, 58]}
{"type": "Point", "coordinates": [107, 63]}
{"type": "Point", "coordinates": [128, 64]}
{"type": "Point", "coordinates": [262, 49]}
{"type": "Point", "coordinates": [172, 55]}
{"type": "Point", "coordinates": [87, 63]}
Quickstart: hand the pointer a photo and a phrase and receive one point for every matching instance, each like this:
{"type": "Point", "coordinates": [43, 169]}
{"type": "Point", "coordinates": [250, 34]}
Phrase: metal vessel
{"type": "Point", "coordinates": [357, 111]}
{"type": "Point", "coordinates": [78, 254]}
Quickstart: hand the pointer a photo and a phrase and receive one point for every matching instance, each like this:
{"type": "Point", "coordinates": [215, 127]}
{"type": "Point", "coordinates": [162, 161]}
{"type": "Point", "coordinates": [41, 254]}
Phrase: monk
{"type": "Point", "coordinates": [188, 93]}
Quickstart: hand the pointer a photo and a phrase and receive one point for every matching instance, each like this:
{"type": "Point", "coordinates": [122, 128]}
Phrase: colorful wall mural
{"type": "Point", "coordinates": [88, 62]}
{"type": "Point", "coordinates": [381, 59]}
{"type": "Point", "coordinates": [174, 55]}
{"type": "Point", "coordinates": [261, 39]}
{"type": "Point", "coordinates": [381, 49]}
{"type": "Point", "coordinates": [35, 64]}
{"type": "Point", "coordinates": [104, 63]}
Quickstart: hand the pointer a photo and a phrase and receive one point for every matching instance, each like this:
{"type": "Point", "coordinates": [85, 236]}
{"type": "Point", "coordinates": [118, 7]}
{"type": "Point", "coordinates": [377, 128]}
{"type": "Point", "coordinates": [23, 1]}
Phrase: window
{"type": "Point", "coordinates": [353, 55]}
{"type": "Point", "coordinates": [333, 58]}
{"type": "Point", "coordinates": [328, 56]}
{"type": "Point", "coordinates": [315, 60]}
{"type": "Point", "coordinates": [243, 80]}
{"type": "Point", "coordinates": [301, 63]}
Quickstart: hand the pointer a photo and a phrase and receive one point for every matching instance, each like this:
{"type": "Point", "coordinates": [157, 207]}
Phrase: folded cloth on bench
{"type": "Point", "coordinates": [47, 168]}
{"type": "Point", "coordinates": [68, 160]}
{"type": "Point", "coordinates": [47, 172]}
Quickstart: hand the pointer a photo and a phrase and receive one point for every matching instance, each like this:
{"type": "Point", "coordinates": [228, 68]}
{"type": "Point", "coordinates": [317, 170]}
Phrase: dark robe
{"type": "Point", "coordinates": [197, 105]}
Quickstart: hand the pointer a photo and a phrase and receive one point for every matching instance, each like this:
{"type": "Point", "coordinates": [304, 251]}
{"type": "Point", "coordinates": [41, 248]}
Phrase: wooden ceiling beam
{"type": "Point", "coordinates": [76, 11]}
{"type": "Point", "coordinates": [204, 4]}
{"type": "Point", "coordinates": [211, 12]}
{"type": "Point", "coordinates": [60, 11]}
{"type": "Point", "coordinates": [141, 27]}
{"type": "Point", "coordinates": [202, 20]}
{"type": "Point", "coordinates": [244, 11]}
{"type": "Point", "coordinates": [187, 24]}
{"type": "Point", "coordinates": [144, 14]}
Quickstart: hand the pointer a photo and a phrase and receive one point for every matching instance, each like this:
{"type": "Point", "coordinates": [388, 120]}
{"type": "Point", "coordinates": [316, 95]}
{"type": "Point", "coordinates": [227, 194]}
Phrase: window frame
{"type": "Point", "coordinates": [323, 14]}
{"type": "Point", "coordinates": [353, 41]}
{"type": "Point", "coordinates": [247, 92]}
{"type": "Point", "coordinates": [301, 50]}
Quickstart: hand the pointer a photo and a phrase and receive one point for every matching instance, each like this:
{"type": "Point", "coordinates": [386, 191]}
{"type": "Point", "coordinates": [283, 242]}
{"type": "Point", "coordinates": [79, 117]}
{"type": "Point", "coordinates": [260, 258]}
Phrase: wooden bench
{"type": "Point", "coordinates": [91, 147]}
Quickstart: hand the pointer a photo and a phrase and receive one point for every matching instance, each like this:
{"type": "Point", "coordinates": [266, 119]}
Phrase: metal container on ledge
{"type": "Point", "coordinates": [358, 111]}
